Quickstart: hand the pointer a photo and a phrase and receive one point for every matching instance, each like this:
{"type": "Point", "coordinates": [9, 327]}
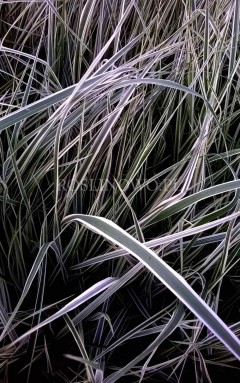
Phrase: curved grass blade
{"type": "Point", "coordinates": [35, 267]}
{"type": "Point", "coordinates": [171, 279]}
{"type": "Point", "coordinates": [73, 304]}
{"type": "Point", "coordinates": [187, 201]}
{"type": "Point", "coordinates": [169, 328]}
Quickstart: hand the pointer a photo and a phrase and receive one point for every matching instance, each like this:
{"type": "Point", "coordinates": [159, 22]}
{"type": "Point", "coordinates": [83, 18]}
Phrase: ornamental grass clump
{"type": "Point", "coordinates": [119, 191]}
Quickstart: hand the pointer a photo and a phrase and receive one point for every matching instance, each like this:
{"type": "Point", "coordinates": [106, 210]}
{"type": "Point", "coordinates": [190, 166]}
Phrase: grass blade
{"type": "Point", "coordinates": [175, 282]}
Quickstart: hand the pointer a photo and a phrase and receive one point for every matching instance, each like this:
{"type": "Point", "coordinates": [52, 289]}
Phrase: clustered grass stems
{"type": "Point", "coordinates": [119, 121]}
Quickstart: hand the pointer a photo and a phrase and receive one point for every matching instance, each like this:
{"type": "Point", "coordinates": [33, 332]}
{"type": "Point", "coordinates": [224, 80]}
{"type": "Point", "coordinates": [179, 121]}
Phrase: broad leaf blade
{"type": "Point", "coordinates": [175, 282]}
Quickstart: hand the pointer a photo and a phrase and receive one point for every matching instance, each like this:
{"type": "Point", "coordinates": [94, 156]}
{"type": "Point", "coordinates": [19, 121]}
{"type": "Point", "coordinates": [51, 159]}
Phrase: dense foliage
{"type": "Point", "coordinates": [126, 110]}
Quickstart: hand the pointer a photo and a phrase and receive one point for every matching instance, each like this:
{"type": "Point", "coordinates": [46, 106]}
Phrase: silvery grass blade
{"type": "Point", "coordinates": [82, 360]}
{"type": "Point", "coordinates": [35, 107]}
{"type": "Point", "coordinates": [128, 277]}
{"type": "Point", "coordinates": [137, 331]}
{"type": "Point", "coordinates": [52, 99]}
{"type": "Point", "coordinates": [152, 243]}
{"type": "Point", "coordinates": [166, 240]}
{"type": "Point", "coordinates": [89, 365]}
{"type": "Point", "coordinates": [168, 329]}
{"type": "Point", "coordinates": [35, 267]}
{"type": "Point", "coordinates": [168, 84]}
{"type": "Point", "coordinates": [73, 304]}
{"type": "Point", "coordinates": [168, 276]}
{"type": "Point", "coordinates": [44, 103]}
{"type": "Point", "coordinates": [187, 201]}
